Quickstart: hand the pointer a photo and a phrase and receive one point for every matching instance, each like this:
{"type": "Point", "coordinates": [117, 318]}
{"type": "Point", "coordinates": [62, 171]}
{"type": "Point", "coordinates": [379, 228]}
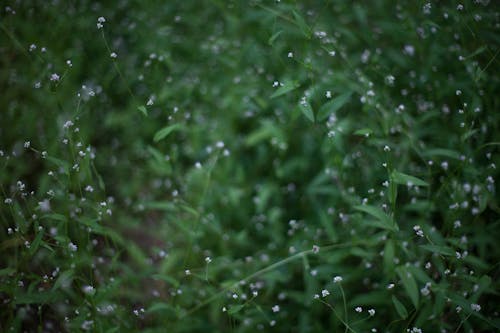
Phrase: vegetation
{"type": "Point", "coordinates": [242, 166]}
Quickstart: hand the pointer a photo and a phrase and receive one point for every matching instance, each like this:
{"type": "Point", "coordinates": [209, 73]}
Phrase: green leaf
{"type": "Point", "coordinates": [161, 205]}
{"type": "Point", "coordinates": [441, 152]}
{"type": "Point", "coordinates": [363, 132]}
{"type": "Point", "coordinates": [333, 106]}
{"type": "Point", "coordinates": [285, 88]}
{"type": "Point", "coordinates": [64, 165]}
{"type": "Point", "coordinates": [166, 278]}
{"type": "Point", "coordinates": [143, 110]}
{"type": "Point", "coordinates": [307, 110]}
{"type": "Point", "coordinates": [64, 280]}
{"type": "Point", "coordinates": [36, 242]}
{"type": "Point", "coordinates": [404, 179]}
{"type": "Point", "coordinates": [400, 308]}
{"type": "Point", "coordinates": [389, 256]}
{"type": "Point", "coordinates": [409, 284]}
{"type": "Point", "coordinates": [7, 271]}
{"type": "Point", "coordinates": [57, 217]}
{"type": "Point", "coordinates": [38, 297]}
{"type": "Point", "coordinates": [235, 309]}
{"type": "Point", "coordinates": [444, 250]}
{"type": "Point", "coordinates": [384, 221]}
{"type": "Point", "coordinates": [161, 307]}
{"type": "Point", "coordinates": [393, 193]}
{"type": "Point", "coordinates": [164, 132]}
{"type": "Point", "coordinates": [301, 23]}
{"type": "Point", "coordinates": [274, 37]}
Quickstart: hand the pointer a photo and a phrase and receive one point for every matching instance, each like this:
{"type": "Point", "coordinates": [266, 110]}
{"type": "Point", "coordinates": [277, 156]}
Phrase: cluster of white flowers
{"type": "Point", "coordinates": [100, 22]}
{"type": "Point", "coordinates": [418, 231]}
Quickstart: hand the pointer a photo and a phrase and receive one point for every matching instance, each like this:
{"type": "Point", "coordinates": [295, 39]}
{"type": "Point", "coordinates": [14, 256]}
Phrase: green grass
{"type": "Point", "coordinates": [242, 166]}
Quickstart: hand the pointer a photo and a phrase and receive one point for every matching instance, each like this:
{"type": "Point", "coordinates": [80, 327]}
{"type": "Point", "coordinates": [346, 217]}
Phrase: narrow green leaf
{"type": "Point", "coordinates": [444, 250]}
{"type": "Point", "coordinates": [301, 23]}
{"type": "Point", "coordinates": [63, 281]}
{"type": "Point", "coordinates": [400, 308]}
{"type": "Point", "coordinates": [37, 297]}
{"type": "Point", "coordinates": [441, 152]}
{"type": "Point", "coordinates": [166, 278]}
{"type": "Point", "coordinates": [389, 256]}
{"type": "Point", "coordinates": [64, 165]}
{"type": "Point", "coordinates": [333, 106]}
{"type": "Point", "coordinates": [393, 193]}
{"type": "Point", "coordinates": [164, 132]}
{"type": "Point", "coordinates": [57, 217]}
{"type": "Point", "coordinates": [384, 220]}
{"type": "Point", "coordinates": [285, 88]}
{"type": "Point", "coordinates": [404, 179]}
{"type": "Point", "coordinates": [363, 132]}
{"type": "Point", "coordinates": [143, 110]}
{"type": "Point", "coordinates": [161, 307]}
{"type": "Point", "coordinates": [36, 242]}
{"type": "Point", "coordinates": [274, 37]}
{"type": "Point", "coordinates": [235, 309]}
{"type": "Point", "coordinates": [307, 110]}
{"type": "Point", "coordinates": [7, 271]}
{"type": "Point", "coordinates": [409, 284]}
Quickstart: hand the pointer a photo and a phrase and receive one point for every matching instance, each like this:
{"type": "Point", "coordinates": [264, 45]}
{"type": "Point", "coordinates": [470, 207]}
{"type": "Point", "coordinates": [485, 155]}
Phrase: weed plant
{"type": "Point", "coordinates": [243, 166]}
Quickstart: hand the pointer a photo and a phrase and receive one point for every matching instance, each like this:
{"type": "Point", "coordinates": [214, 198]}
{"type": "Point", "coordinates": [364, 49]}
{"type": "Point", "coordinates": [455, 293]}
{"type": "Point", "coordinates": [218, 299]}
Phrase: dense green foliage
{"type": "Point", "coordinates": [210, 166]}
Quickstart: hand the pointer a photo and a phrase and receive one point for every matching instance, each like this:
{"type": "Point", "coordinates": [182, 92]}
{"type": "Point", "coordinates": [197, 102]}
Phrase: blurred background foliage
{"type": "Point", "coordinates": [226, 139]}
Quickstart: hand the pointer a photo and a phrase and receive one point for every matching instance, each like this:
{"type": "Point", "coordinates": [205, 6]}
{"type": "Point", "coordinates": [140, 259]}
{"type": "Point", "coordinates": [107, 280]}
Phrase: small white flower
{"type": "Point", "coordinates": [208, 260]}
{"type": "Point", "coordinates": [55, 77]}
{"type": "Point", "coordinates": [328, 94]}
{"type": "Point", "coordinates": [68, 124]}
{"type": "Point", "coordinates": [290, 55]}
{"type": "Point", "coordinates": [325, 293]}
{"type": "Point", "coordinates": [89, 290]}
{"type": "Point", "coordinates": [315, 249]}
{"type": "Point", "coordinates": [371, 312]}
{"type": "Point", "coordinates": [409, 50]}
{"type": "Point", "coordinates": [358, 309]}
{"type": "Point", "coordinates": [113, 55]}
{"type": "Point", "coordinates": [276, 308]}
{"type": "Point", "coordinates": [337, 279]}
{"type": "Point", "coordinates": [72, 247]}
